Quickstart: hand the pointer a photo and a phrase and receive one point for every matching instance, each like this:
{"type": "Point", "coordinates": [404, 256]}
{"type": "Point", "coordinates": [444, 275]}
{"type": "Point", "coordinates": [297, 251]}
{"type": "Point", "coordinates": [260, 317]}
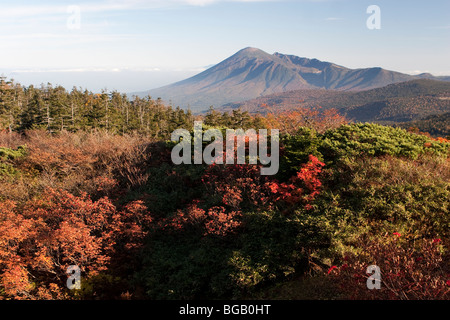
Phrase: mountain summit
{"type": "Point", "coordinates": [252, 73]}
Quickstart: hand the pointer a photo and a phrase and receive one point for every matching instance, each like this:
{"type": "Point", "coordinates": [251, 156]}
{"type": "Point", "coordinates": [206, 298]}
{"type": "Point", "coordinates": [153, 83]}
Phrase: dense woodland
{"type": "Point", "coordinates": [87, 179]}
{"type": "Point", "coordinates": [55, 109]}
{"type": "Point", "coordinates": [436, 125]}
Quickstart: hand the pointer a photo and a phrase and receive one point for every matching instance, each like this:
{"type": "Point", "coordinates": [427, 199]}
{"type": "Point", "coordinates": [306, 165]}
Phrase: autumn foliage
{"type": "Point", "coordinates": [48, 234]}
{"type": "Point", "coordinates": [301, 188]}
{"type": "Point", "coordinates": [140, 227]}
{"type": "Point", "coordinates": [409, 271]}
{"type": "Point", "coordinates": [289, 121]}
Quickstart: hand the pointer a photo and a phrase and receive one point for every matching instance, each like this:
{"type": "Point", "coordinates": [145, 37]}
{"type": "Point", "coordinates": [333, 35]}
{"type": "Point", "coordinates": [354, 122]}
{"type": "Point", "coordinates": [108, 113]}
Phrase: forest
{"type": "Point", "coordinates": [436, 125]}
{"type": "Point", "coordinates": [407, 104]}
{"type": "Point", "coordinates": [86, 179]}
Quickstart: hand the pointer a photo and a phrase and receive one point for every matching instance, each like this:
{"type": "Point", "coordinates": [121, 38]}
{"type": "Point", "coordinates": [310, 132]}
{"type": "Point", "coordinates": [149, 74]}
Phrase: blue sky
{"type": "Point", "coordinates": [137, 45]}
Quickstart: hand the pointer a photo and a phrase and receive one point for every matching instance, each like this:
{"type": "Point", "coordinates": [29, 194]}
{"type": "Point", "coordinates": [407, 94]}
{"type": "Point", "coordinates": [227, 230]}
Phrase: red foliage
{"type": "Point", "coordinates": [49, 234]}
{"type": "Point", "coordinates": [241, 186]}
{"type": "Point", "coordinates": [301, 188]}
{"type": "Point", "coordinates": [215, 221]}
{"type": "Point", "coordinates": [237, 185]}
{"type": "Point", "coordinates": [407, 271]}
{"type": "Point", "coordinates": [221, 223]}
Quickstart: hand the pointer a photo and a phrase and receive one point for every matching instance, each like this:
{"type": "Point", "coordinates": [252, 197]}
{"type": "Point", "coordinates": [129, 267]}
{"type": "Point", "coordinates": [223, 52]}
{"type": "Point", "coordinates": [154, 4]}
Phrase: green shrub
{"type": "Point", "coordinates": [7, 155]}
{"type": "Point", "coordinates": [274, 247]}
{"type": "Point", "coordinates": [8, 170]}
{"type": "Point", "coordinates": [368, 139]}
{"type": "Point", "coordinates": [269, 247]}
{"type": "Point", "coordinates": [387, 194]}
{"type": "Point", "coordinates": [295, 151]}
{"type": "Point", "coordinates": [11, 154]}
{"type": "Point", "coordinates": [184, 266]}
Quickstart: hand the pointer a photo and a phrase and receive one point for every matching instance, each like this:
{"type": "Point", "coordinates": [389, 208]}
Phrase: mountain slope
{"type": "Point", "coordinates": [252, 73]}
{"type": "Point", "coordinates": [245, 75]}
{"type": "Point", "coordinates": [331, 76]}
{"type": "Point", "coordinates": [405, 101]}
{"type": "Point", "coordinates": [436, 125]}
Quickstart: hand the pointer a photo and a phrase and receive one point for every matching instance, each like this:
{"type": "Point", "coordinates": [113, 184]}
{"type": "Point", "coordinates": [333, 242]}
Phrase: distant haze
{"type": "Point", "coordinates": [121, 80]}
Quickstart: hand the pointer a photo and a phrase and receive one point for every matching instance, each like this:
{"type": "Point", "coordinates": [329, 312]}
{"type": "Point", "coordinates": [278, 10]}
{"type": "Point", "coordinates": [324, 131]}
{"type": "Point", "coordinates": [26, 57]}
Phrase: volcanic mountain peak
{"type": "Point", "coordinates": [252, 73]}
{"type": "Point", "coordinates": [251, 51]}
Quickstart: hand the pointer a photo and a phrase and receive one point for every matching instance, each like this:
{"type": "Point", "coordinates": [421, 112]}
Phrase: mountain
{"type": "Point", "coordinates": [405, 101]}
{"type": "Point", "coordinates": [252, 73]}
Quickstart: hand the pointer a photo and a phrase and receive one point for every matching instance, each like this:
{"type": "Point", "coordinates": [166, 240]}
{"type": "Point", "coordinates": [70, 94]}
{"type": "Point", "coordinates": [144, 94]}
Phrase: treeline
{"type": "Point", "coordinates": [54, 109]}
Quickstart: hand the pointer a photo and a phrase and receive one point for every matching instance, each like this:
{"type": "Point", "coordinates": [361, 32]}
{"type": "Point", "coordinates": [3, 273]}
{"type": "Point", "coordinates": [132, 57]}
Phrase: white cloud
{"type": "Point", "coordinates": [417, 72]}
{"type": "Point", "coordinates": [21, 11]}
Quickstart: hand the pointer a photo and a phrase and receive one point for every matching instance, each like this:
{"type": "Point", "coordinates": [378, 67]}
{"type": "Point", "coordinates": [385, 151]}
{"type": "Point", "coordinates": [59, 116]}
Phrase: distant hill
{"type": "Point", "coordinates": [436, 125]}
{"type": "Point", "coordinates": [406, 101]}
{"type": "Point", "coordinates": [252, 73]}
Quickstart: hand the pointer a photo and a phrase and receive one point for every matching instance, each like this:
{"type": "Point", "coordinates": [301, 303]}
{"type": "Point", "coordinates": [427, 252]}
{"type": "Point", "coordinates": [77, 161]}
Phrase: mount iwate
{"type": "Point", "coordinates": [252, 73]}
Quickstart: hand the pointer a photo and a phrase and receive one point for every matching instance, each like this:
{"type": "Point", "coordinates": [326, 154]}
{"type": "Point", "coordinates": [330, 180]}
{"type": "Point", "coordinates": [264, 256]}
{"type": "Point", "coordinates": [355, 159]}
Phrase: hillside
{"type": "Point", "coordinates": [406, 101]}
{"type": "Point", "coordinates": [103, 191]}
{"type": "Point", "coordinates": [253, 73]}
{"type": "Point", "coordinates": [435, 125]}
{"type": "Point", "coordinates": [144, 228]}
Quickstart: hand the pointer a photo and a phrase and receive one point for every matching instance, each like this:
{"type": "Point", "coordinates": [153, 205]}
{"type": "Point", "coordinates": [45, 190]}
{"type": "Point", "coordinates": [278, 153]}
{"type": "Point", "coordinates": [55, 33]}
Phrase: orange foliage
{"type": "Point", "coordinates": [417, 131]}
{"type": "Point", "coordinates": [57, 153]}
{"type": "Point", "coordinates": [441, 140]}
{"type": "Point", "coordinates": [289, 121]}
{"type": "Point", "coordinates": [48, 234]}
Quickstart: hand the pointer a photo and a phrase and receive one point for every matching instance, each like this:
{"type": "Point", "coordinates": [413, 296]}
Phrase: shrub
{"type": "Point", "coordinates": [387, 193]}
{"type": "Point", "coordinates": [273, 247]}
{"type": "Point", "coordinates": [225, 244]}
{"type": "Point", "coordinates": [296, 149]}
{"type": "Point", "coordinates": [301, 188]}
{"type": "Point", "coordinates": [357, 140]}
{"type": "Point", "coordinates": [48, 234]}
{"type": "Point", "coordinates": [239, 187]}
{"type": "Point", "coordinates": [7, 157]}
{"type": "Point", "coordinates": [411, 269]}
{"type": "Point", "coordinates": [11, 154]}
{"type": "Point", "coordinates": [220, 231]}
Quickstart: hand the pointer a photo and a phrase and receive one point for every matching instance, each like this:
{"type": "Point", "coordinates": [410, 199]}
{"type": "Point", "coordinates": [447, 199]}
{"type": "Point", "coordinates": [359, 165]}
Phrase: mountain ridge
{"type": "Point", "coordinates": [252, 73]}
